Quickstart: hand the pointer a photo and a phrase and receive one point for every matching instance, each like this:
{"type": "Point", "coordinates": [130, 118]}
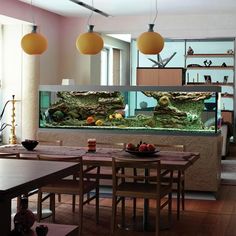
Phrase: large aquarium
{"type": "Point", "coordinates": [131, 108]}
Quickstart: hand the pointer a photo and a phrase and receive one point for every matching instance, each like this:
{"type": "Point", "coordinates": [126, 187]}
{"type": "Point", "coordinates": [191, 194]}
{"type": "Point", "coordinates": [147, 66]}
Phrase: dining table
{"type": "Point", "coordinates": [20, 176]}
{"type": "Point", "coordinates": [170, 160]}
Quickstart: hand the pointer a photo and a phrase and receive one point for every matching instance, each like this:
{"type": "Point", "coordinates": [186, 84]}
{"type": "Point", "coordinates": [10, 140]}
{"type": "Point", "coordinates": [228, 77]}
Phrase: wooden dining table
{"type": "Point", "coordinates": [171, 160]}
{"type": "Point", "coordinates": [20, 176]}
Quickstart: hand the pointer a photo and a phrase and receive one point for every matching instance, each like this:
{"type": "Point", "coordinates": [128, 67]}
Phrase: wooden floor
{"type": "Point", "coordinates": [201, 217]}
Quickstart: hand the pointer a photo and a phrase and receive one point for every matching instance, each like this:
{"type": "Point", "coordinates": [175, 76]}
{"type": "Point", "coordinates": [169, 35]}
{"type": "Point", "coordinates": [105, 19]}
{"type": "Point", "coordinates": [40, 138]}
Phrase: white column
{"type": "Point", "coordinates": [30, 101]}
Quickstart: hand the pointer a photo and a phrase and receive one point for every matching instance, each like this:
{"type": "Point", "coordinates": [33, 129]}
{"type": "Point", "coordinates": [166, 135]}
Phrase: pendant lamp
{"type": "Point", "coordinates": [89, 43]}
{"type": "Point", "coordinates": [34, 43]}
{"type": "Point", "coordinates": [150, 42]}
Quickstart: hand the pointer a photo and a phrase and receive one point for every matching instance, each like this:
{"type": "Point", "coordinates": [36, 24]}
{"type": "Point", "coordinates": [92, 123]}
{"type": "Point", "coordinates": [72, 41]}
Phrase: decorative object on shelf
{"type": "Point", "coordinates": [34, 43]}
{"type": "Point", "coordinates": [190, 51]}
{"type": "Point", "coordinates": [224, 64]}
{"type": "Point", "coordinates": [230, 51]}
{"type": "Point", "coordinates": [161, 63]}
{"type": "Point", "coordinates": [194, 65]}
{"type": "Point", "coordinates": [24, 219]}
{"type": "Point", "coordinates": [207, 63]}
{"type": "Point", "coordinates": [41, 230]}
{"type": "Point", "coordinates": [150, 42]}
{"type": "Point", "coordinates": [207, 79]}
{"type": "Point", "coordinates": [226, 79]}
{"type": "Point", "coordinates": [90, 43]}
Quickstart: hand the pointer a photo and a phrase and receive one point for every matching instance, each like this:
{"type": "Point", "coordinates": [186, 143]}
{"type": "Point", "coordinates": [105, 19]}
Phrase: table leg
{"type": "Point", "coordinates": [145, 208]}
{"type": "Point", "coordinates": [5, 216]}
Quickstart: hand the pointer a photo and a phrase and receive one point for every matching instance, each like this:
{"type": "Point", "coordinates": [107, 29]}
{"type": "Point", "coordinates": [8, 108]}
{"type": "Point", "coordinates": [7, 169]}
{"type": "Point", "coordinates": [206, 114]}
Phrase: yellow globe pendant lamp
{"type": "Point", "coordinates": [34, 43]}
{"type": "Point", "coordinates": [89, 43]}
{"type": "Point", "coordinates": [150, 42]}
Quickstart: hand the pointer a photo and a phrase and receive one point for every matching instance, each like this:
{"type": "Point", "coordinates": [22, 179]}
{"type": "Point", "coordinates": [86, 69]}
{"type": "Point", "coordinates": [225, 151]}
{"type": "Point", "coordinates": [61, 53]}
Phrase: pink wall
{"type": "Point", "coordinates": [49, 24]}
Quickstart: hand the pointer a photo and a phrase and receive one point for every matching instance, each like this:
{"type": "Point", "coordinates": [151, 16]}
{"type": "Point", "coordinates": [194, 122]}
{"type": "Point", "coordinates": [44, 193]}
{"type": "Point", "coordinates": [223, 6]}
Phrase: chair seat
{"type": "Point", "coordinates": [141, 190]}
{"type": "Point", "coordinates": [67, 186]}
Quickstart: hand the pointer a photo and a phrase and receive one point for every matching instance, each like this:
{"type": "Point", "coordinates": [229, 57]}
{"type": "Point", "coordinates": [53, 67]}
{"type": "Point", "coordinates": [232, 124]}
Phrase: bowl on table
{"type": "Point", "coordinates": [29, 144]}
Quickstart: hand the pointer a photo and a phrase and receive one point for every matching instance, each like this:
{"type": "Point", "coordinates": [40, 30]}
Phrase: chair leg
{"type": "Point", "coordinates": [179, 193]}
{"type": "Point", "coordinates": [123, 211]}
{"type": "Point", "coordinates": [97, 205]}
{"type": "Point", "coordinates": [158, 215]}
{"type": "Point", "coordinates": [81, 206]}
{"type": "Point", "coordinates": [73, 202]}
{"type": "Point", "coordinates": [113, 214]}
{"type": "Point", "coordinates": [134, 199]}
{"type": "Point", "coordinates": [183, 194]}
{"type": "Point", "coordinates": [59, 197]}
{"type": "Point", "coordinates": [39, 206]}
{"type": "Point", "coordinates": [52, 206]}
{"type": "Point", "coordinates": [170, 209]}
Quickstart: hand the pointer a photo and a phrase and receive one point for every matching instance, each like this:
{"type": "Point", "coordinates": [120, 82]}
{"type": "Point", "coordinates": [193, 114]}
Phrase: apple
{"type": "Point", "coordinates": [142, 147]}
{"type": "Point", "coordinates": [150, 147]}
{"type": "Point", "coordinates": [130, 146]}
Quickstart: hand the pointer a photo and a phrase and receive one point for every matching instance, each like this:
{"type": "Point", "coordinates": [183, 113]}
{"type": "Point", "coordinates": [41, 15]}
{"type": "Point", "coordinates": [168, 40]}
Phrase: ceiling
{"type": "Point", "coordinates": [137, 7]}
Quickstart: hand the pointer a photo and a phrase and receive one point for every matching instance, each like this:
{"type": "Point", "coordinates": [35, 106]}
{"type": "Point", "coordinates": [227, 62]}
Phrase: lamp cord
{"type": "Point", "coordinates": [91, 14]}
{"type": "Point", "coordinates": [31, 10]}
{"type": "Point", "coordinates": [154, 20]}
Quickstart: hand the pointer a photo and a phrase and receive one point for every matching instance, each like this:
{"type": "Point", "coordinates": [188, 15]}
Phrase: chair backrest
{"type": "Point", "coordinates": [86, 169]}
{"type": "Point", "coordinates": [121, 173]}
{"type": "Point", "coordinates": [10, 155]}
{"type": "Point", "coordinates": [111, 145]}
{"type": "Point", "coordinates": [170, 147]}
{"type": "Point", "coordinates": [58, 157]}
{"type": "Point", "coordinates": [51, 142]}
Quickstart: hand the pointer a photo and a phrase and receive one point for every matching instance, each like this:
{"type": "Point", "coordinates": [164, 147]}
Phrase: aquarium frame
{"type": "Point", "coordinates": [187, 88]}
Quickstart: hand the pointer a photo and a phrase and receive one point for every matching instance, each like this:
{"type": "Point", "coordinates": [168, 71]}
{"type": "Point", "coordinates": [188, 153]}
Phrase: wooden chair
{"type": "Point", "coordinates": [178, 176]}
{"type": "Point", "coordinates": [105, 175]}
{"type": "Point", "coordinates": [75, 186]}
{"type": "Point", "coordinates": [148, 186]}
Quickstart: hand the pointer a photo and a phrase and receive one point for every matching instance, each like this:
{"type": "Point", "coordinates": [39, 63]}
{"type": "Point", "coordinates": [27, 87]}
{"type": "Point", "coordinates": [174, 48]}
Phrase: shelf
{"type": "Point", "coordinates": [211, 55]}
{"type": "Point", "coordinates": [215, 84]}
{"type": "Point", "coordinates": [210, 68]}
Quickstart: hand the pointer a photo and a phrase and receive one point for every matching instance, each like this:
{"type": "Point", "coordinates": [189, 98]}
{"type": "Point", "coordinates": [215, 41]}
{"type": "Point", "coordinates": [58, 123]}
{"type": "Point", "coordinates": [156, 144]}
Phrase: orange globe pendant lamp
{"type": "Point", "coordinates": [34, 43]}
{"type": "Point", "coordinates": [150, 42]}
{"type": "Point", "coordinates": [89, 43]}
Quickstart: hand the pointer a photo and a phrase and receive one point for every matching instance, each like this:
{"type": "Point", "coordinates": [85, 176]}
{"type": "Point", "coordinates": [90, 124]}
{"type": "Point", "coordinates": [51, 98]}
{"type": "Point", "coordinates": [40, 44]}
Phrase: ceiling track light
{"type": "Point", "coordinates": [90, 8]}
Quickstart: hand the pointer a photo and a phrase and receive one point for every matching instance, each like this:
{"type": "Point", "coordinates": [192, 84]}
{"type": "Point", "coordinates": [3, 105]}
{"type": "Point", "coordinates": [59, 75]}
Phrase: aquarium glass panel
{"type": "Point", "coordinates": [130, 110]}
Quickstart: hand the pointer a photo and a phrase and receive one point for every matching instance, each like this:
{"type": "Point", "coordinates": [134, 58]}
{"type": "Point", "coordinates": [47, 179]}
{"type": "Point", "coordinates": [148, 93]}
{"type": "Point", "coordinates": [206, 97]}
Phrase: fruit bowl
{"type": "Point", "coordinates": [138, 153]}
{"type": "Point", "coordinates": [141, 149]}
{"type": "Point", "coordinates": [29, 144]}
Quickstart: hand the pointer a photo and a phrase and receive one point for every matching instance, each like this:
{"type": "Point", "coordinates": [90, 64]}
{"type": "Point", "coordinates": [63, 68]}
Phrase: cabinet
{"type": "Point", "coordinates": [160, 76]}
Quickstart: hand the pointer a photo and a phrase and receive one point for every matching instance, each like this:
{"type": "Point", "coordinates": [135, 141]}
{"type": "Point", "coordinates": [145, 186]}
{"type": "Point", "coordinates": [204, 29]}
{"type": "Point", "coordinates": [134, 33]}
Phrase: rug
{"type": "Point", "coordinates": [228, 172]}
